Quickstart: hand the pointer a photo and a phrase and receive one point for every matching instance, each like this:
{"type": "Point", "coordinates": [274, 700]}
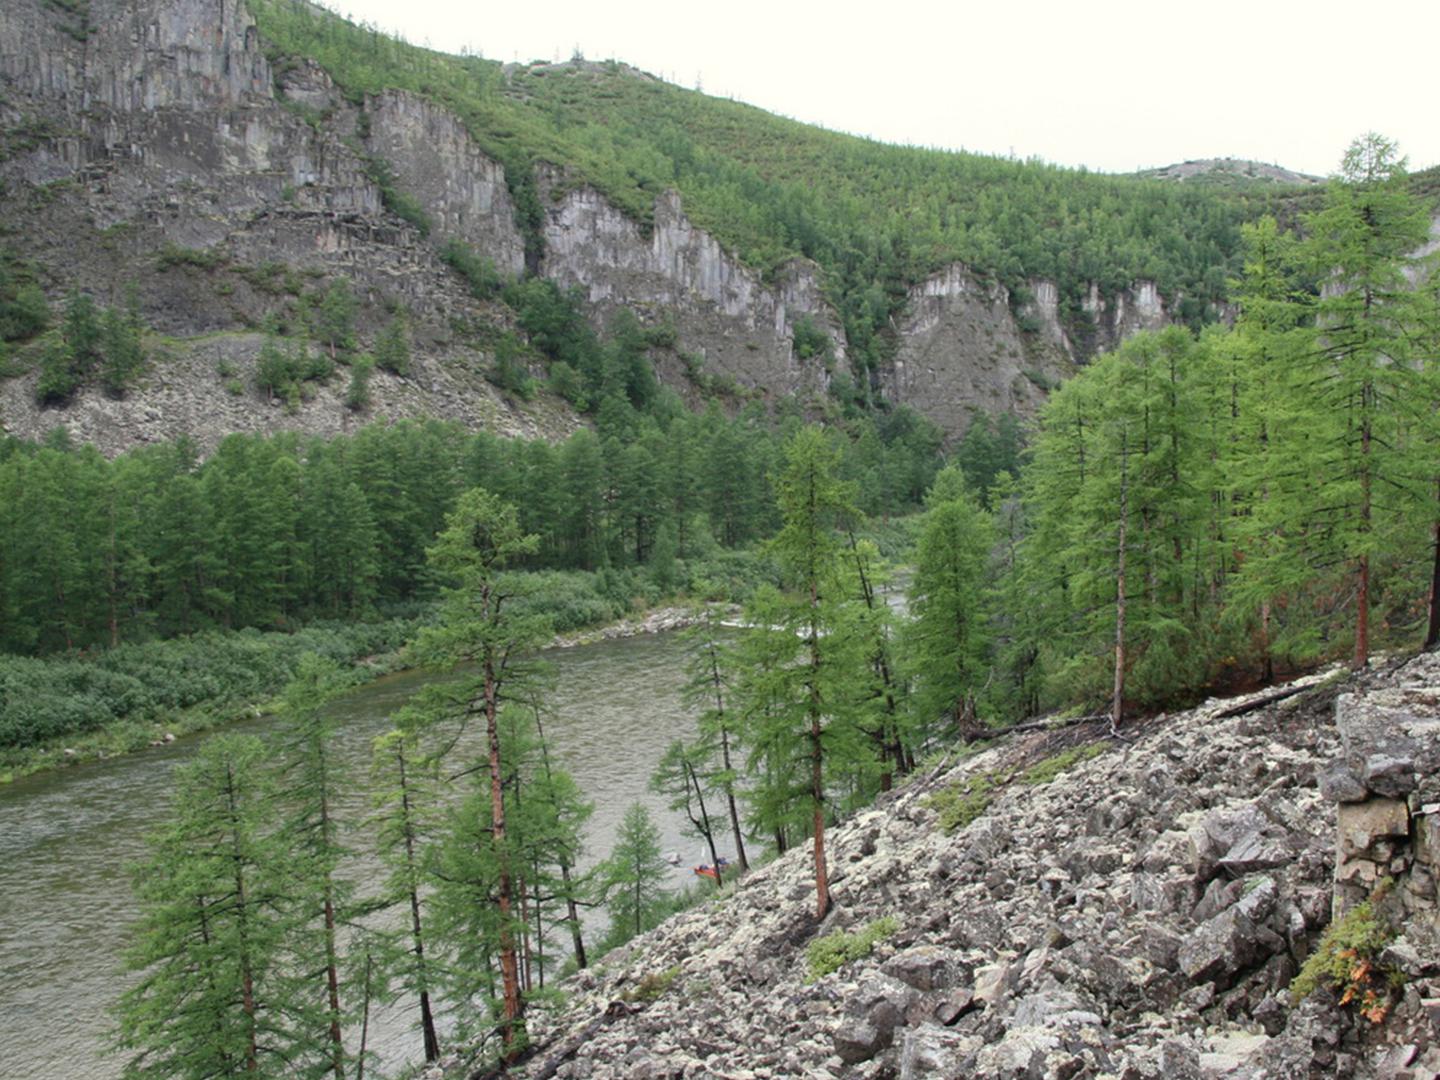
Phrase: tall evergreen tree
{"type": "Point", "coordinates": [478, 627]}
{"type": "Point", "coordinates": [947, 641]}
{"type": "Point", "coordinates": [214, 996]}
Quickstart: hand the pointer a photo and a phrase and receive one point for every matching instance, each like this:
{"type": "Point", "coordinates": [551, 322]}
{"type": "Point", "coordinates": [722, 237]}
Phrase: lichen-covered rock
{"type": "Point", "coordinates": [1028, 945]}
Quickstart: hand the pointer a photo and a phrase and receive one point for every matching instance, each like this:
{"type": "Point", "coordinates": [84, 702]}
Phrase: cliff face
{"type": "Point", "coordinates": [136, 127]}
{"type": "Point", "coordinates": [721, 310]}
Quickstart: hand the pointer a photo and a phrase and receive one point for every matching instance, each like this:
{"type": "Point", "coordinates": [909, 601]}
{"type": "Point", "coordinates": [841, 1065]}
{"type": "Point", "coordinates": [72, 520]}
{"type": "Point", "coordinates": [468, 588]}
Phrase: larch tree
{"type": "Point", "coordinates": [946, 643]}
{"type": "Point", "coordinates": [814, 691]}
{"type": "Point", "coordinates": [634, 877]}
{"type": "Point", "coordinates": [481, 627]}
{"type": "Point", "coordinates": [1357, 483]}
{"type": "Point", "coordinates": [709, 665]}
{"type": "Point", "coordinates": [215, 996]}
{"type": "Point", "coordinates": [404, 795]}
{"type": "Point", "coordinates": [310, 779]}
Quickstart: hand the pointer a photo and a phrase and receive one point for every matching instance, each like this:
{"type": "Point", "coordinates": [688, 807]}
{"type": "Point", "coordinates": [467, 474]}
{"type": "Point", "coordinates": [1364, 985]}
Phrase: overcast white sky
{"type": "Point", "coordinates": [1112, 84]}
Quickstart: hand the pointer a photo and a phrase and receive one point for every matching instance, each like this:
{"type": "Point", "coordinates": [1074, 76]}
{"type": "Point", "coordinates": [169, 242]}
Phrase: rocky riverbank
{"type": "Point", "coordinates": [1128, 908]}
{"type": "Point", "coordinates": [657, 621]}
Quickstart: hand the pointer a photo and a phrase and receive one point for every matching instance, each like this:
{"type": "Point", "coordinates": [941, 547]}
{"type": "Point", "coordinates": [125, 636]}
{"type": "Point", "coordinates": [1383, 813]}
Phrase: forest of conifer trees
{"type": "Point", "coordinates": [1191, 511]}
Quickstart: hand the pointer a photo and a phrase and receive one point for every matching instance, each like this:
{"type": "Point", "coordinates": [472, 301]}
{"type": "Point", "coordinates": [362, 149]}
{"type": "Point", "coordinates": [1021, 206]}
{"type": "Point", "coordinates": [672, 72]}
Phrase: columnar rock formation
{"type": "Point", "coordinates": [161, 124]}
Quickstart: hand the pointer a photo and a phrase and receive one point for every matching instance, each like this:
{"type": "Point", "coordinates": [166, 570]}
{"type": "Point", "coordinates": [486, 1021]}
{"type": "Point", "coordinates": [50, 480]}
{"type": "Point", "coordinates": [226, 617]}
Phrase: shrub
{"type": "Point", "coordinates": [1347, 961]}
{"type": "Point", "coordinates": [1044, 772]}
{"type": "Point", "coordinates": [652, 985]}
{"type": "Point", "coordinates": [200, 259]}
{"type": "Point", "coordinates": [833, 951]}
{"type": "Point", "coordinates": [960, 804]}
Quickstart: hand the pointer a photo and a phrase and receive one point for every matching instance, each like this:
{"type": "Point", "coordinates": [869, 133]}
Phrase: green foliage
{"type": "Point", "coordinates": [89, 339]}
{"type": "Point", "coordinates": [947, 642]}
{"type": "Point", "coordinates": [400, 203]}
{"type": "Point", "coordinates": [633, 878]}
{"type": "Point", "coordinates": [813, 343]}
{"type": "Point", "coordinates": [652, 985]}
{"type": "Point", "coordinates": [215, 950]}
{"type": "Point", "coordinates": [957, 805]}
{"type": "Point", "coordinates": [170, 257]}
{"type": "Point", "coordinates": [146, 684]}
{"type": "Point", "coordinates": [834, 951]}
{"type": "Point", "coordinates": [357, 394]}
{"type": "Point", "coordinates": [508, 370]}
{"type": "Point", "coordinates": [24, 311]}
{"type": "Point", "coordinates": [122, 349]}
{"type": "Point", "coordinates": [333, 320]}
{"type": "Point", "coordinates": [479, 272]}
{"type": "Point", "coordinates": [1044, 772]}
{"type": "Point", "coordinates": [1346, 961]}
{"type": "Point", "coordinates": [392, 347]}
{"type": "Point", "coordinates": [282, 370]}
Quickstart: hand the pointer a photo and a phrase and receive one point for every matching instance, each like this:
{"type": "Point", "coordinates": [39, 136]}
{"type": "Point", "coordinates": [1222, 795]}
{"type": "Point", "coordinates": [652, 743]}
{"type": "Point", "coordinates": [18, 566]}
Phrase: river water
{"type": "Point", "coordinates": [67, 839]}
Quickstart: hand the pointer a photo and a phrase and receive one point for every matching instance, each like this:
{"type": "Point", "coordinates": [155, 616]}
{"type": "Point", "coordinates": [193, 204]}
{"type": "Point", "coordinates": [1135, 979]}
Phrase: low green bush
{"type": "Point", "coordinates": [1044, 772]}
{"type": "Point", "coordinates": [959, 804]}
{"type": "Point", "coordinates": [46, 699]}
{"type": "Point", "coordinates": [1346, 960]}
{"type": "Point", "coordinates": [833, 951]}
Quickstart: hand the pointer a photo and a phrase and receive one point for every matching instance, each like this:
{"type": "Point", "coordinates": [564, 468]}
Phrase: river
{"type": "Point", "coordinates": [67, 839]}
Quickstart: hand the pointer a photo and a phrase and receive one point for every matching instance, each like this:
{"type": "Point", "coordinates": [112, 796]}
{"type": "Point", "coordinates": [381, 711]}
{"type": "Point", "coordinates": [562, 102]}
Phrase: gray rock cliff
{"type": "Point", "coordinates": [133, 127]}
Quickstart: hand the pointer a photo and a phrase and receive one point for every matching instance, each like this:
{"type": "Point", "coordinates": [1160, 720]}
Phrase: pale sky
{"type": "Point", "coordinates": [1115, 85]}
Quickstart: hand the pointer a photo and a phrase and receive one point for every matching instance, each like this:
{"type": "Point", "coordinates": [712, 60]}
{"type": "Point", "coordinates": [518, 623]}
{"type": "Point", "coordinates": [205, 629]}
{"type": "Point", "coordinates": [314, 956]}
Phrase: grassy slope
{"type": "Point", "coordinates": [877, 217]}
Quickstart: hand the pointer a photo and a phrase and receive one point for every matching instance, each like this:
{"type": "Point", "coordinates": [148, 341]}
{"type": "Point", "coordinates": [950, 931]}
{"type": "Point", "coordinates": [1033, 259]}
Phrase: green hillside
{"type": "Point", "coordinates": [876, 217]}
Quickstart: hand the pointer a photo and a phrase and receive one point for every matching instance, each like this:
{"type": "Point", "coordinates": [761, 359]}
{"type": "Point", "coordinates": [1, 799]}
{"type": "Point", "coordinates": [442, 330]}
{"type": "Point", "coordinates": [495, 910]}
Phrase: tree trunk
{"type": "Point", "coordinates": [1117, 701]}
{"type": "Point", "coordinates": [1362, 600]}
{"type": "Point", "coordinates": [704, 823]}
{"type": "Point", "coordinates": [730, 799]}
{"type": "Point", "coordinates": [1432, 633]}
{"type": "Point", "coordinates": [572, 911]}
{"type": "Point", "coordinates": [509, 967]}
{"type": "Point", "coordinates": [247, 977]}
{"type": "Point", "coordinates": [427, 1017]}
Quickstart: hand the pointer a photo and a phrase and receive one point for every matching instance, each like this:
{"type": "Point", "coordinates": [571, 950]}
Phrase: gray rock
{"type": "Point", "coordinates": [929, 1051]}
{"type": "Point", "coordinates": [857, 1041]}
{"type": "Point", "coordinates": [1179, 1061]}
{"type": "Point", "coordinates": [954, 1005]}
{"type": "Point", "coordinates": [1229, 942]}
{"type": "Point", "coordinates": [1390, 773]}
{"type": "Point", "coordinates": [924, 967]}
{"type": "Point", "coordinates": [1255, 851]}
{"type": "Point", "coordinates": [1053, 1007]}
{"type": "Point", "coordinates": [1362, 824]}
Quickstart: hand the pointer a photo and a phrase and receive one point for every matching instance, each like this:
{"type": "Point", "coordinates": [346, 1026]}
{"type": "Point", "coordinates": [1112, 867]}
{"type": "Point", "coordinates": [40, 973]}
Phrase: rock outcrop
{"type": "Point", "coordinates": [129, 129]}
{"type": "Point", "coordinates": [1142, 915]}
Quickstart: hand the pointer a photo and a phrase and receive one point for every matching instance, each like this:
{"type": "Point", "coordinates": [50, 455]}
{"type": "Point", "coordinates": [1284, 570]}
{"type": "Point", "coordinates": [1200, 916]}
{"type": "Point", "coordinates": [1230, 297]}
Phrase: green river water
{"type": "Point", "coordinates": [67, 839]}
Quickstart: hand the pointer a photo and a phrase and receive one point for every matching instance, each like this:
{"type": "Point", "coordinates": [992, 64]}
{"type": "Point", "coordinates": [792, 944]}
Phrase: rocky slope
{"type": "Point", "coordinates": [151, 144]}
{"type": "Point", "coordinates": [1140, 914]}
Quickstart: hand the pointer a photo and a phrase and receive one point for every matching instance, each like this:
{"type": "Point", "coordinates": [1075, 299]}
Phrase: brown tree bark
{"type": "Point", "coordinates": [1117, 701]}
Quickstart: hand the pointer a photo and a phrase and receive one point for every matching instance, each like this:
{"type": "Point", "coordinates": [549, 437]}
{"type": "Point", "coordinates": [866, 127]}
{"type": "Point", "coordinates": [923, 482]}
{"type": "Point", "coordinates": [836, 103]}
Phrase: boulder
{"type": "Point", "coordinates": [857, 1041]}
{"type": "Point", "coordinates": [1231, 941]}
{"type": "Point", "coordinates": [930, 1052]}
{"type": "Point", "coordinates": [924, 967]}
{"type": "Point", "coordinates": [1362, 824]}
{"type": "Point", "coordinates": [1255, 851]}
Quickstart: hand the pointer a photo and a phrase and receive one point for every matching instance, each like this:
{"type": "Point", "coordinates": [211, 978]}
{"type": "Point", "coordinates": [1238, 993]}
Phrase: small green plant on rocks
{"type": "Point", "coordinates": [833, 951]}
{"type": "Point", "coordinates": [1043, 772]}
{"type": "Point", "coordinates": [651, 986]}
{"type": "Point", "coordinates": [1347, 960]}
{"type": "Point", "coordinates": [961, 803]}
